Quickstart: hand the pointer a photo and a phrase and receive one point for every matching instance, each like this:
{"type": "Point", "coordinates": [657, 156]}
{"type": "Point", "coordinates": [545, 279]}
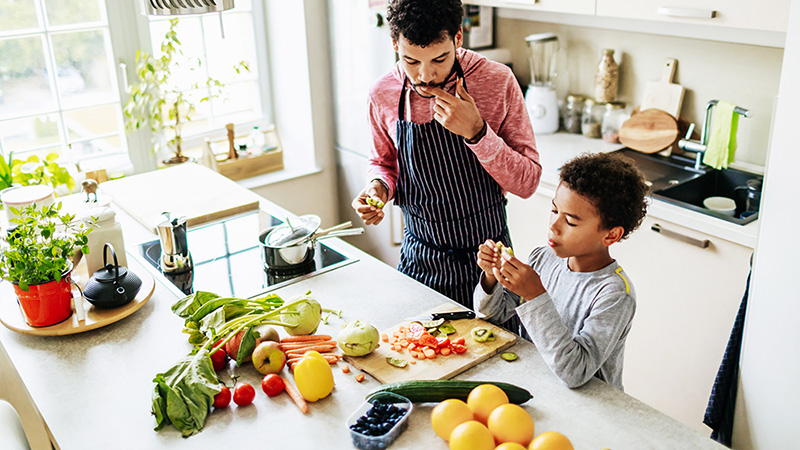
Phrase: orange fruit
{"type": "Point", "coordinates": [510, 446]}
{"type": "Point", "coordinates": [449, 414]}
{"type": "Point", "coordinates": [511, 423]}
{"type": "Point", "coordinates": [471, 435]}
{"type": "Point", "coordinates": [551, 440]}
{"type": "Point", "coordinates": [483, 399]}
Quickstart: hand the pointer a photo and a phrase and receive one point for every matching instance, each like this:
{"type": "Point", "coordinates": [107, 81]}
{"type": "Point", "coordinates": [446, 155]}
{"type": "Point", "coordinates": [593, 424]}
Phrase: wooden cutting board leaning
{"type": "Point", "coordinates": [190, 190]}
{"type": "Point", "coordinates": [442, 367]}
{"type": "Point", "coordinates": [664, 94]}
{"type": "Point", "coordinates": [649, 131]}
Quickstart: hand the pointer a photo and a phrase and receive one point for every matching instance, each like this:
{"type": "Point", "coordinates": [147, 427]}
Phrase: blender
{"type": "Point", "coordinates": [540, 99]}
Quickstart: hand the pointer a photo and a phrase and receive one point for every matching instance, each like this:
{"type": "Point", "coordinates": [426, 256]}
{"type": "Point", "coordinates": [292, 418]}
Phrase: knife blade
{"type": "Point", "coordinates": [451, 315]}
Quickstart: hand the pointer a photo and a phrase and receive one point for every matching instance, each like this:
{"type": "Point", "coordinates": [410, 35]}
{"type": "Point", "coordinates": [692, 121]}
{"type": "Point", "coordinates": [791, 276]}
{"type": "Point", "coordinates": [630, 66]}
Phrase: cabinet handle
{"type": "Point", "coordinates": [693, 13]}
{"type": "Point", "coordinates": [702, 243]}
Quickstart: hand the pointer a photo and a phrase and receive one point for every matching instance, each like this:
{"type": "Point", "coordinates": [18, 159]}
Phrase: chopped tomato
{"type": "Point", "coordinates": [460, 341]}
{"type": "Point", "coordinates": [428, 341]}
{"type": "Point", "coordinates": [442, 342]}
{"type": "Point", "coordinates": [458, 348]}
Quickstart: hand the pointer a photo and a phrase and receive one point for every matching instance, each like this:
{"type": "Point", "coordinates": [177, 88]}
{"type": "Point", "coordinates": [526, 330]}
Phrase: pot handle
{"type": "Point", "coordinates": [119, 291]}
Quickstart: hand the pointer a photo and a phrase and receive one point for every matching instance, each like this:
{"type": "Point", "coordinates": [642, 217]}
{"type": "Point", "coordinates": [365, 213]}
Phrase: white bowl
{"type": "Point", "coordinates": [722, 205]}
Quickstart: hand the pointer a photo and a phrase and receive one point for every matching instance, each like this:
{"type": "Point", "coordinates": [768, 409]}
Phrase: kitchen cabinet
{"type": "Point", "coordinates": [686, 301]}
{"type": "Point", "coordinates": [768, 15]}
{"type": "Point", "coordinates": [555, 6]}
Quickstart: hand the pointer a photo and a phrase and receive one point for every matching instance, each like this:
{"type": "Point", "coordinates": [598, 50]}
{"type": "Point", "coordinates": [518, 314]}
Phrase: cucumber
{"type": "Point", "coordinates": [422, 391]}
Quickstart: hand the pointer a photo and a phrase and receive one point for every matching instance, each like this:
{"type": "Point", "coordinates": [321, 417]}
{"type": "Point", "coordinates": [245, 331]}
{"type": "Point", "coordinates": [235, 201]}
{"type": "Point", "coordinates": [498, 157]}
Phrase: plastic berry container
{"type": "Point", "coordinates": [389, 410]}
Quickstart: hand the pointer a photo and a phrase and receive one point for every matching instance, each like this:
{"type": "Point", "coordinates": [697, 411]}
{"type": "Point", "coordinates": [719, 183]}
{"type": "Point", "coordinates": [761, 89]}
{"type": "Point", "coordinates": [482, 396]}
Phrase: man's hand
{"type": "Point", "coordinates": [488, 260]}
{"type": "Point", "coordinates": [371, 215]}
{"type": "Point", "coordinates": [459, 115]}
{"type": "Point", "coordinates": [518, 277]}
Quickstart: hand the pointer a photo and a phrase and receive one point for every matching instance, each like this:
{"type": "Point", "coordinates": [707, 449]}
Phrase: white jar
{"type": "Point", "coordinates": [105, 229]}
{"type": "Point", "coordinates": [21, 196]}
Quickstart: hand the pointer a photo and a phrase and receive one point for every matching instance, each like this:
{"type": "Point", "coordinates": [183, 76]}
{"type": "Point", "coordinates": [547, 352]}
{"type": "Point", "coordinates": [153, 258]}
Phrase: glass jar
{"type": "Point", "coordinates": [613, 117]}
{"type": "Point", "coordinates": [592, 118]}
{"type": "Point", "coordinates": [572, 112]}
{"type": "Point", "coordinates": [606, 82]}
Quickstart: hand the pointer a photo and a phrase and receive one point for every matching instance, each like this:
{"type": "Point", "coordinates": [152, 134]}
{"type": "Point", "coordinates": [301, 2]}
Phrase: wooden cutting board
{"type": "Point", "coordinates": [664, 94]}
{"type": "Point", "coordinates": [649, 131]}
{"type": "Point", "coordinates": [190, 190]}
{"type": "Point", "coordinates": [441, 367]}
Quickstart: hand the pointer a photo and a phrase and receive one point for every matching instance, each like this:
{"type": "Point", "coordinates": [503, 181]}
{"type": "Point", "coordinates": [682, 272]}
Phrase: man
{"type": "Point", "coordinates": [451, 136]}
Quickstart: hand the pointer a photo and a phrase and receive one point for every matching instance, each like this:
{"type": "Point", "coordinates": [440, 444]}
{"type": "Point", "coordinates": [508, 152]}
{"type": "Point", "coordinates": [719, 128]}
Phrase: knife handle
{"type": "Point", "coordinates": [454, 315]}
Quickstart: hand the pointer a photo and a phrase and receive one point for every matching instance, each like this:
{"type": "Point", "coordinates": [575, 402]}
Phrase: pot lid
{"type": "Point", "coordinates": [26, 194]}
{"type": "Point", "coordinates": [293, 229]}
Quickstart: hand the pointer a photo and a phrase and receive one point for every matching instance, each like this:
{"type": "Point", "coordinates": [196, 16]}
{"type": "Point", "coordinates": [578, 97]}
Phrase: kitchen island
{"type": "Point", "coordinates": [94, 389]}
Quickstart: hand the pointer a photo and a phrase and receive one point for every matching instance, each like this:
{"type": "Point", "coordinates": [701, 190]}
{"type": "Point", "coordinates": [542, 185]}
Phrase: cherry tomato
{"type": "Point", "coordinates": [219, 360]}
{"type": "Point", "coordinates": [272, 385]}
{"type": "Point", "coordinates": [223, 399]}
{"type": "Point", "coordinates": [244, 394]}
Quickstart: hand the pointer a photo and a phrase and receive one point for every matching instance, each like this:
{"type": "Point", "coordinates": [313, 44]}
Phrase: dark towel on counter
{"type": "Point", "coordinates": [721, 404]}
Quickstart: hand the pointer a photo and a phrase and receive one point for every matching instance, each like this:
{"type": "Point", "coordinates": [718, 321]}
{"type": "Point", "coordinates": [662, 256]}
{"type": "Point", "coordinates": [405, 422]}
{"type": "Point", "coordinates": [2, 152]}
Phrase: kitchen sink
{"type": "Point", "coordinates": [674, 180]}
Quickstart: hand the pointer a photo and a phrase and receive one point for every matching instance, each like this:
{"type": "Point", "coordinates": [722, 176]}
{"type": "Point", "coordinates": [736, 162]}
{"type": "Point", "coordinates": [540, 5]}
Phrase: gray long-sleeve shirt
{"type": "Point", "coordinates": [579, 325]}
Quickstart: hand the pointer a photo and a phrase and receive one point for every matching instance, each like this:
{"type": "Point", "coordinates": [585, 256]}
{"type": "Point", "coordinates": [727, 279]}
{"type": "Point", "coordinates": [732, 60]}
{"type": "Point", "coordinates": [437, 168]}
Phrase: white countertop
{"type": "Point", "coordinates": [556, 149]}
{"type": "Point", "coordinates": [94, 389]}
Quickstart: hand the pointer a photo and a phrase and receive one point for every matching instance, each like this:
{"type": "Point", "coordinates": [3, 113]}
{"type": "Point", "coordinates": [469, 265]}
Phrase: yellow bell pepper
{"type": "Point", "coordinates": [313, 376]}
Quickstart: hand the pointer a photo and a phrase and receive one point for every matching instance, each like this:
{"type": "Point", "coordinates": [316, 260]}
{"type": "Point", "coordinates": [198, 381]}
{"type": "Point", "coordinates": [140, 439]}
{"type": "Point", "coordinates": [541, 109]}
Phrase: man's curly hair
{"type": "Point", "coordinates": [424, 22]}
{"type": "Point", "coordinates": [613, 184]}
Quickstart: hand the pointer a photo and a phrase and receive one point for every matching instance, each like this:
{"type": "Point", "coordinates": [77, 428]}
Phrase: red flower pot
{"type": "Point", "coordinates": [46, 304]}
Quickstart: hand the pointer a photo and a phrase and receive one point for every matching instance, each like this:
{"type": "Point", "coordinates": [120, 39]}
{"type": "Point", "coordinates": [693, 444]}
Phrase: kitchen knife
{"type": "Point", "coordinates": [452, 315]}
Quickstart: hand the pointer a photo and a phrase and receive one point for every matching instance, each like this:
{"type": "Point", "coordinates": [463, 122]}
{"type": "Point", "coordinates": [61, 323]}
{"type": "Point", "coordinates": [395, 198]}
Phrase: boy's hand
{"type": "Point", "coordinates": [374, 193]}
{"type": "Point", "coordinates": [488, 260]}
{"type": "Point", "coordinates": [518, 277]}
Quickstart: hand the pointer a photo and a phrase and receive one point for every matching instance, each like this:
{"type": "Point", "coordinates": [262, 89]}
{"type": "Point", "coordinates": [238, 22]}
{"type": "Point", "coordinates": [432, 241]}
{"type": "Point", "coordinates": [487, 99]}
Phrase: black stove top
{"type": "Point", "coordinates": [228, 259]}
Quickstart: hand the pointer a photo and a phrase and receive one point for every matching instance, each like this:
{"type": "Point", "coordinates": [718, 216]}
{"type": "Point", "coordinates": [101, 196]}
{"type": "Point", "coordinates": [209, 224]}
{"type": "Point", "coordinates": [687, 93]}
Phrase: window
{"type": "Point", "coordinates": [61, 88]}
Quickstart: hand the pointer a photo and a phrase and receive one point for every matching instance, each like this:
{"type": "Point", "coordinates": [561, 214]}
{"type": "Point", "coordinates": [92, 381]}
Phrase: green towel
{"type": "Point", "coordinates": [722, 140]}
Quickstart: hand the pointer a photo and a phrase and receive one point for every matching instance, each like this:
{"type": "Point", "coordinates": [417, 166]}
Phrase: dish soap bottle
{"type": "Point", "coordinates": [256, 141]}
{"type": "Point", "coordinates": [105, 228]}
{"type": "Point", "coordinates": [606, 81]}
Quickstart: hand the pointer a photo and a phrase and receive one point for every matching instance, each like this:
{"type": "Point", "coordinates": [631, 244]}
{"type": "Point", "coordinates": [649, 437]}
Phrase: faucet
{"type": "Point", "coordinates": [699, 147]}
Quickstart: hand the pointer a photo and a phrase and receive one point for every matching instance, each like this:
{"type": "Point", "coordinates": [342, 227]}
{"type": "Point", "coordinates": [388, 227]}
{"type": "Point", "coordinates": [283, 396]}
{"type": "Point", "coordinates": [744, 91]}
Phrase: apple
{"type": "Point", "coordinates": [268, 357]}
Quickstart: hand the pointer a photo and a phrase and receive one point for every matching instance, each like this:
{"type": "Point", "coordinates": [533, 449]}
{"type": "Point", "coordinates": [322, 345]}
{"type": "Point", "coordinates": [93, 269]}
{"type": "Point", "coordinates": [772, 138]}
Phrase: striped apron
{"type": "Point", "coordinates": [450, 206]}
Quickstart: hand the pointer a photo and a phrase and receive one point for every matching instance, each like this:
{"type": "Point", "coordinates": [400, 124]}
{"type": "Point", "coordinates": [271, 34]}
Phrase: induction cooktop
{"type": "Point", "coordinates": [229, 261]}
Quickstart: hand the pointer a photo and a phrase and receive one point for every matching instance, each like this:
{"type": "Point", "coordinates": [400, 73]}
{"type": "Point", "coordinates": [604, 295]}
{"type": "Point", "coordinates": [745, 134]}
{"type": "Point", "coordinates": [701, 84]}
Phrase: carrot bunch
{"type": "Point", "coordinates": [297, 346]}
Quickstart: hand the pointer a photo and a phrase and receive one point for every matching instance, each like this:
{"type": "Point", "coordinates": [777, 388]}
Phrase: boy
{"type": "Point", "coordinates": [577, 303]}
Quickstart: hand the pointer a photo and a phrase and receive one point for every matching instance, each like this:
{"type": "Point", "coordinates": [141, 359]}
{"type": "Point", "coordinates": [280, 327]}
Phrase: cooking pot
{"type": "Point", "coordinates": [298, 251]}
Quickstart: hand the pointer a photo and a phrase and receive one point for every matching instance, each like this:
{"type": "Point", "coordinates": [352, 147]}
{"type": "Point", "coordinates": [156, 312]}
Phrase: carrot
{"type": "Point", "coordinates": [404, 343]}
{"type": "Point", "coordinates": [306, 338]}
{"type": "Point", "coordinates": [360, 377]}
{"type": "Point", "coordinates": [295, 396]}
{"type": "Point", "coordinates": [413, 362]}
{"type": "Point", "coordinates": [385, 337]}
{"type": "Point", "coordinates": [345, 369]}
{"type": "Point", "coordinates": [429, 353]}
{"type": "Point", "coordinates": [445, 351]}
{"type": "Point", "coordinates": [320, 348]}
{"type": "Point", "coordinates": [285, 347]}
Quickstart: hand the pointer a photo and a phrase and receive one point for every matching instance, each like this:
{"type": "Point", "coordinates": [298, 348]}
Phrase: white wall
{"type": "Point", "coordinates": [747, 75]}
{"type": "Point", "coordinates": [302, 105]}
{"type": "Point", "coordinates": [767, 407]}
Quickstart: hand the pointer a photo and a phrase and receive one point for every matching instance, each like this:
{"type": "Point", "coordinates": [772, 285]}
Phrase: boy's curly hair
{"type": "Point", "coordinates": [424, 22]}
{"type": "Point", "coordinates": [613, 184]}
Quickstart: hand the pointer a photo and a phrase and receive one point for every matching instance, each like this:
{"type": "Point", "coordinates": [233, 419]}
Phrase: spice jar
{"type": "Point", "coordinates": [613, 117]}
{"type": "Point", "coordinates": [592, 118]}
{"type": "Point", "coordinates": [105, 228]}
{"type": "Point", "coordinates": [606, 82]}
{"type": "Point", "coordinates": [572, 112]}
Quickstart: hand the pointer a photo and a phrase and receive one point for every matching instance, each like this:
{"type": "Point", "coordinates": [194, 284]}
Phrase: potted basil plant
{"type": "Point", "coordinates": [36, 257]}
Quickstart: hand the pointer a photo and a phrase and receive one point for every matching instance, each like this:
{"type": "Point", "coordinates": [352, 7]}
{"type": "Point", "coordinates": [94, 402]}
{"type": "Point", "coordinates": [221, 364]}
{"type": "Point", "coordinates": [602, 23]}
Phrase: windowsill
{"type": "Point", "coordinates": [292, 170]}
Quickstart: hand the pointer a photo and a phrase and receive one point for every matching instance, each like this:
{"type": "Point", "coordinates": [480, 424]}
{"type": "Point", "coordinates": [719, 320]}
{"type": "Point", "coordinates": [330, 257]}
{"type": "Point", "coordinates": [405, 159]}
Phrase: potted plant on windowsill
{"type": "Point", "coordinates": [158, 102]}
{"type": "Point", "coordinates": [36, 257]}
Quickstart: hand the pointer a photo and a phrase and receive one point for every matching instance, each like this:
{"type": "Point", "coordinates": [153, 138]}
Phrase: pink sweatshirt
{"type": "Point", "coordinates": [507, 152]}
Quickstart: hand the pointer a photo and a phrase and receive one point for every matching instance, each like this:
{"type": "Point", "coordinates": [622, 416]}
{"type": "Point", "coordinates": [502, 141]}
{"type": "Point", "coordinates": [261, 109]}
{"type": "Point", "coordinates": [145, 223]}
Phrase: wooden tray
{"type": "Point", "coordinates": [442, 367]}
{"type": "Point", "coordinates": [11, 313]}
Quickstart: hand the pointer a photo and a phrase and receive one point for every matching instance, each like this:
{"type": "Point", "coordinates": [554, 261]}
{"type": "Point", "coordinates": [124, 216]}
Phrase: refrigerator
{"type": "Point", "coordinates": [361, 52]}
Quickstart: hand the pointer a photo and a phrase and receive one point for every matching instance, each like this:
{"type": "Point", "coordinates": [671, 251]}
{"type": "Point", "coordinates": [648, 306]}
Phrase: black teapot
{"type": "Point", "coordinates": [113, 285]}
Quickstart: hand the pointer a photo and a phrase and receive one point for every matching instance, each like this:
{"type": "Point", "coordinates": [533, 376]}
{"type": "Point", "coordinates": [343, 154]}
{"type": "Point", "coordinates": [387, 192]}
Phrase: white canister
{"type": "Point", "coordinates": [105, 229]}
{"type": "Point", "coordinates": [22, 196]}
